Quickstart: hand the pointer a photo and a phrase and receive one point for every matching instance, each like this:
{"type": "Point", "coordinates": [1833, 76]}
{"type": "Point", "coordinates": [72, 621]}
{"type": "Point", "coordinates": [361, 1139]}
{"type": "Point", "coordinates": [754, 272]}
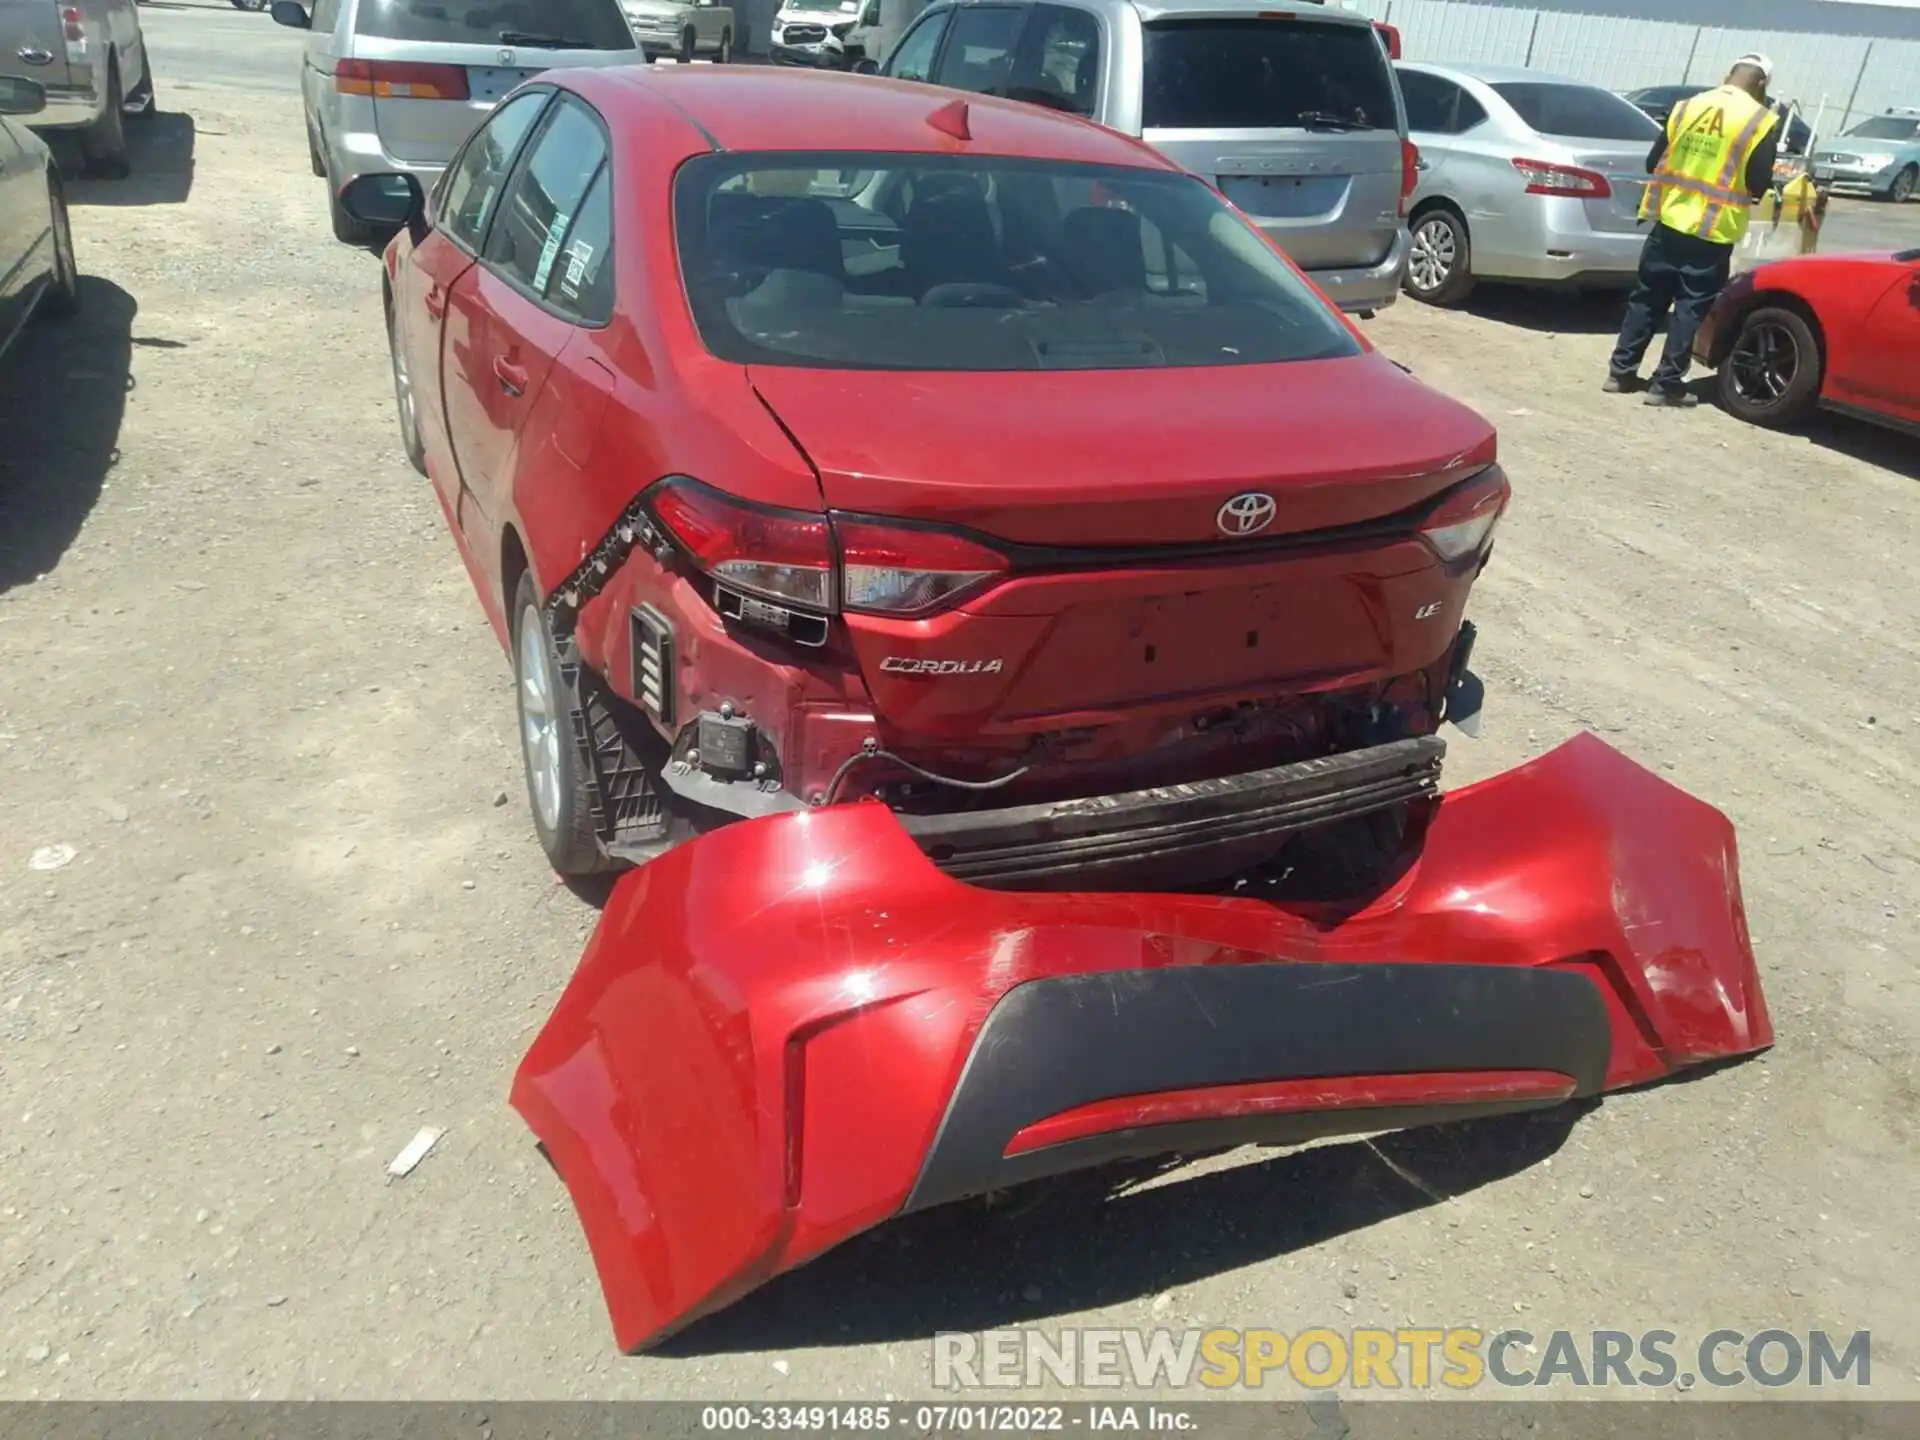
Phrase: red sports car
{"type": "Point", "coordinates": [903, 507]}
{"type": "Point", "coordinates": [1839, 331]}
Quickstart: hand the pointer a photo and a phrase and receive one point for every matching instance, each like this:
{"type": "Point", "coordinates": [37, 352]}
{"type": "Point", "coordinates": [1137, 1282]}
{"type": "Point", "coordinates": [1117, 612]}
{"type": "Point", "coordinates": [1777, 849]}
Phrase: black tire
{"type": "Point", "coordinates": [1440, 263]}
{"type": "Point", "coordinates": [724, 55]}
{"type": "Point", "coordinates": [404, 402]}
{"type": "Point", "coordinates": [687, 46]}
{"type": "Point", "coordinates": [105, 142]}
{"type": "Point", "coordinates": [142, 103]}
{"type": "Point", "coordinates": [346, 229]}
{"type": "Point", "coordinates": [1903, 185]}
{"type": "Point", "coordinates": [1771, 375]}
{"type": "Point", "coordinates": [566, 830]}
{"type": "Point", "coordinates": [63, 292]}
{"type": "Point", "coordinates": [314, 157]}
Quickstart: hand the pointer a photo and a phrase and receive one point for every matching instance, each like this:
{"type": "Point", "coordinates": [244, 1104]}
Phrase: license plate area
{"type": "Point", "coordinates": [490, 84]}
{"type": "Point", "coordinates": [1283, 197]}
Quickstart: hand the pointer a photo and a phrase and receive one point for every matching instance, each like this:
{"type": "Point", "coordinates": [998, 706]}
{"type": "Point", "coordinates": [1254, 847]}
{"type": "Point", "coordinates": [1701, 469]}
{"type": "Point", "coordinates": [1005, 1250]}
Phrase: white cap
{"type": "Point", "coordinates": [1758, 62]}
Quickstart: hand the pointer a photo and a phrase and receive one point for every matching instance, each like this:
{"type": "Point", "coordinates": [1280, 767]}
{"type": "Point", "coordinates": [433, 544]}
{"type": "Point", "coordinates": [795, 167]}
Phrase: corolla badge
{"type": "Point", "coordinates": [1246, 514]}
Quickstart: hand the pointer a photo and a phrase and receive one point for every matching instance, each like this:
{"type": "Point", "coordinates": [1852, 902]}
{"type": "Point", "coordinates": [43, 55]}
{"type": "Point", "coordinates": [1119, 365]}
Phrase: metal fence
{"type": "Point", "coordinates": [1850, 76]}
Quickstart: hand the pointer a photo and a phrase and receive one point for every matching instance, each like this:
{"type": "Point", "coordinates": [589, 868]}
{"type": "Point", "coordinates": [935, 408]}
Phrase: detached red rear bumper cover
{"type": "Point", "coordinates": [793, 1029]}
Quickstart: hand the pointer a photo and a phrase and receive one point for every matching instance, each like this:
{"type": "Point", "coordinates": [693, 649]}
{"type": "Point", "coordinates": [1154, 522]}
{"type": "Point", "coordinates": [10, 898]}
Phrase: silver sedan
{"type": "Point", "coordinates": [1524, 177]}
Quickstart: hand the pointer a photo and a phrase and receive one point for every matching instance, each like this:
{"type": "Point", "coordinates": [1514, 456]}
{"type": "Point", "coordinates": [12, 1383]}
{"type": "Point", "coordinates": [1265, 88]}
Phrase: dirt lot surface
{"type": "Point", "coordinates": [246, 679]}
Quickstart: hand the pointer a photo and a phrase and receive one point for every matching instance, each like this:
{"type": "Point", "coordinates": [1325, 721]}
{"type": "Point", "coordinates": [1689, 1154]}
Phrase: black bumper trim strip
{"type": "Point", "coordinates": [1050, 1046]}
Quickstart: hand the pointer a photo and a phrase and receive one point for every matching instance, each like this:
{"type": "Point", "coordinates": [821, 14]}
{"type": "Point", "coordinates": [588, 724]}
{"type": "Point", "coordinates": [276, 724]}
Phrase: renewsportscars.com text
{"type": "Point", "coordinates": [1462, 1358]}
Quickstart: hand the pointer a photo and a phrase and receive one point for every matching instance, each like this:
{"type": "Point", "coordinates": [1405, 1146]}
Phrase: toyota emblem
{"type": "Point", "coordinates": [506, 57]}
{"type": "Point", "coordinates": [1246, 514]}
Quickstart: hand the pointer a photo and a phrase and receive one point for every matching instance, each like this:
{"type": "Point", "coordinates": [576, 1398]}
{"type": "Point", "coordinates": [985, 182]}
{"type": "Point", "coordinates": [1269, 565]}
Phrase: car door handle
{"type": "Point", "coordinates": [437, 303]}
{"type": "Point", "coordinates": [512, 378]}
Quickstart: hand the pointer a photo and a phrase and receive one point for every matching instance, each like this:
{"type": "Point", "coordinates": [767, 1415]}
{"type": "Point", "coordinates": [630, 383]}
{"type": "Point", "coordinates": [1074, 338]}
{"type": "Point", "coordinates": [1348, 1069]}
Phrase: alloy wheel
{"type": "Point", "coordinates": [1764, 364]}
{"type": "Point", "coordinates": [540, 718]}
{"type": "Point", "coordinates": [1434, 254]}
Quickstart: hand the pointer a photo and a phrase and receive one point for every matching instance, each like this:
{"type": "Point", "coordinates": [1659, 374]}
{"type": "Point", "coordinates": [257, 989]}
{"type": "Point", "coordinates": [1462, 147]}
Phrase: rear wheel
{"type": "Point", "coordinates": [724, 56]}
{"type": "Point", "coordinates": [1903, 185]}
{"type": "Point", "coordinates": [141, 101]}
{"type": "Point", "coordinates": [1771, 377]}
{"type": "Point", "coordinates": [687, 44]}
{"type": "Point", "coordinates": [105, 142]}
{"type": "Point", "coordinates": [1439, 266]}
{"type": "Point", "coordinates": [313, 157]}
{"type": "Point", "coordinates": [63, 290]}
{"type": "Point", "coordinates": [559, 786]}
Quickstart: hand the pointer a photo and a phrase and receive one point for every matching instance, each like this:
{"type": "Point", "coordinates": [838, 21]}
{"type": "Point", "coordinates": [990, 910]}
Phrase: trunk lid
{"type": "Point", "coordinates": [1294, 117]}
{"type": "Point", "coordinates": [498, 47]}
{"type": "Point", "coordinates": [1066, 460]}
{"type": "Point", "coordinates": [1625, 166]}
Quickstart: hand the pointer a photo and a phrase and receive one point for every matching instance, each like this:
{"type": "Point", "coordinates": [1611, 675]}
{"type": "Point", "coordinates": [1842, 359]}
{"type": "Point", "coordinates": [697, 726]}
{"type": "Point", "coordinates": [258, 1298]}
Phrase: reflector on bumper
{"type": "Point", "coordinates": [794, 1028]}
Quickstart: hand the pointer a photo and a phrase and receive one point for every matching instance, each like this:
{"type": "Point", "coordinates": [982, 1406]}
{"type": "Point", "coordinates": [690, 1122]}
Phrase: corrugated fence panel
{"type": "Point", "coordinates": [1892, 78]}
{"type": "Point", "coordinates": [1807, 68]}
{"type": "Point", "coordinates": [1619, 54]}
{"type": "Point", "coordinates": [1440, 31]}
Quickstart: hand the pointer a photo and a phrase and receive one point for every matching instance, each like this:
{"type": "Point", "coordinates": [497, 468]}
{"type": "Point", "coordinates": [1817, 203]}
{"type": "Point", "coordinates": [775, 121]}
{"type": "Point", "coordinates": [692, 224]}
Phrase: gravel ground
{"type": "Point", "coordinates": [247, 681]}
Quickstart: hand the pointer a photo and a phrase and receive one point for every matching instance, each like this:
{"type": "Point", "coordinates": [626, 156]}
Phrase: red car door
{"type": "Point", "coordinates": [1890, 348]}
{"type": "Point", "coordinates": [461, 212]}
{"type": "Point", "coordinates": [505, 326]}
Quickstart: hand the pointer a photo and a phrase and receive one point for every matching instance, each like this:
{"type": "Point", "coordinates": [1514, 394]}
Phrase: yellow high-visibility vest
{"type": "Point", "coordinates": [1700, 188]}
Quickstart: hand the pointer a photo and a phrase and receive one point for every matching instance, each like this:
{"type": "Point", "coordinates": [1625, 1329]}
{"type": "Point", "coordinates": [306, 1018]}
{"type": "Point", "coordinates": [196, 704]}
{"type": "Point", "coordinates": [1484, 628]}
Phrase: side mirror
{"type": "Point", "coordinates": [386, 202]}
{"type": "Point", "coordinates": [21, 97]}
{"type": "Point", "coordinates": [866, 66]}
{"type": "Point", "coordinates": [291, 14]}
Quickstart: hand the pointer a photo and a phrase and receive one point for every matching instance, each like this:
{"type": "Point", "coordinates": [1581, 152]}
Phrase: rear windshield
{"type": "Point", "coordinates": [919, 262]}
{"type": "Point", "coordinates": [538, 24]}
{"type": "Point", "coordinates": [1886, 127]}
{"type": "Point", "coordinates": [1576, 112]}
{"type": "Point", "coordinates": [1264, 74]}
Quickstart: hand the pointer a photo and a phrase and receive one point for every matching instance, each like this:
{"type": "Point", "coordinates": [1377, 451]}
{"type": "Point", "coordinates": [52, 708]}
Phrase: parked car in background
{"type": "Point", "coordinates": [1657, 102]}
{"type": "Point", "coordinates": [1839, 331]}
{"type": "Point", "coordinates": [1289, 108]}
{"type": "Point", "coordinates": [90, 57]}
{"type": "Point", "coordinates": [683, 29]}
{"type": "Point", "coordinates": [1879, 157]}
{"type": "Point", "coordinates": [813, 32]}
{"type": "Point", "coordinates": [37, 272]}
{"type": "Point", "coordinates": [1523, 177]}
{"type": "Point", "coordinates": [396, 86]}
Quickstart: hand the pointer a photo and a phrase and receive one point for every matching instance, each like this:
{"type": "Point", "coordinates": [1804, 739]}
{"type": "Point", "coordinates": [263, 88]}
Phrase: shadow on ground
{"type": "Point", "coordinates": [1891, 450]}
{"type": "Point", "coordinates": [1090, 1241]}
{"type": "Point", "coordinates": [160, 150]}
{"type": "Point", "coordinates": [63, 394]}
{"type": "Point", "coordinates": [1562, 312]}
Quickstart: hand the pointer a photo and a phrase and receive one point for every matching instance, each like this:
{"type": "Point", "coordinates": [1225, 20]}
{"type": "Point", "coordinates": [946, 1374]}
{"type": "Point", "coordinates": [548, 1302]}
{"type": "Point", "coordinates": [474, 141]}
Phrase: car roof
{"type": "Point", "coordinates": [1501, 74]}
{"type": "Point", "coordinates": [742, 107]}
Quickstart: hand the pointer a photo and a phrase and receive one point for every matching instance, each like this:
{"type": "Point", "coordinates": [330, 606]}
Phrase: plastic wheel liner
{"type": "Point", "coordinates": [794, 1028]}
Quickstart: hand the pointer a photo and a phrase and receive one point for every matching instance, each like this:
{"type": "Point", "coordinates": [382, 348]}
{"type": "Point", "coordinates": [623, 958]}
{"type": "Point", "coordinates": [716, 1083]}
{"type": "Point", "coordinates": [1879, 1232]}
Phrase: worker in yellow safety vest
{"type": "Point", "coordinates": [1713, 160]}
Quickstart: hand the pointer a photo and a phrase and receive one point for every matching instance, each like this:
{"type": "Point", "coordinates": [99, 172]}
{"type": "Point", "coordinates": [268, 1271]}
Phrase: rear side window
{"type": "Point", "coordinates": [1264, 74]}
{"type": "Point", "coordinates": [547, 24]}
{"type": "Point", "coordinates": [473, 185]}
{"type": "Point", "coordinates": [566, 158]}
{"type": "Point", "coordinates": [979, 55]}
{"type": "Point", "coordinates": [581, 284]}
{"type": "Point", "coordinates": [1576, 112]}
{"type": "Point", "coordinates": [326, 14]}
{"type": "Point", "coordinates": [1438, 106]}
{"type": "Point", "coordinates": [1058, 63]}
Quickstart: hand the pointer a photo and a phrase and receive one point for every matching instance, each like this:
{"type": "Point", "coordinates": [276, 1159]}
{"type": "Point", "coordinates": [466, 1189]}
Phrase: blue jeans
{"type": "Point", "coordinates": [1679, 273]}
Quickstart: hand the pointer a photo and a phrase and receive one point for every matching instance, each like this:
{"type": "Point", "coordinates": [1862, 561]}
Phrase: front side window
{"type": "Point", "coordinates": [940, 263]}
{"type": "Point", "coordinates": [914, 59]}
{"type": "Point", "coordinates": [542, 24]}
{"type": "Point", "coordinates": [472, 186]}
{"type": "Point", "coordinates": [562, 164]}
{"type": "Point", "coordinates": [979, 54]}
{"type": "Point", "coordinates": [1263, 74]}
{"type": "Point", "coordinates": [1576, 112]}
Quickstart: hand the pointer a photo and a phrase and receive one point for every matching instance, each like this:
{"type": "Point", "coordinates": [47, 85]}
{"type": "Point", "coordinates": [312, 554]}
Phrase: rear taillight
{"type": "Point", "coordinates": [1544, 178]}
{"type": "Point", "coordinates": [401, 80]}
{"type": "Point", "coordinates": [70, 18]}
{"type": "Point", "coordinates": [1462, 523]}
{"type": "Point", "coordinates": [900, 570]}
{"type": "Point", "coordinates": [1409, 173]}
{"type": "Point", "coordinates": [780, 555]}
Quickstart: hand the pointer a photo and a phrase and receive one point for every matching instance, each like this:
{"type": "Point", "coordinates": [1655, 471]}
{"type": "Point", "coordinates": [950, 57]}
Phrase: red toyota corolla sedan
{"type": "Point", "coordinates": [819, 438]}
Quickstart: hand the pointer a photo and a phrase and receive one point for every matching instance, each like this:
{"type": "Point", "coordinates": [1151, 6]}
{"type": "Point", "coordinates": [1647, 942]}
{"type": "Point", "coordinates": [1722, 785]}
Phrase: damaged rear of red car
{"type": "Point", "coordinates": [1008, 616]}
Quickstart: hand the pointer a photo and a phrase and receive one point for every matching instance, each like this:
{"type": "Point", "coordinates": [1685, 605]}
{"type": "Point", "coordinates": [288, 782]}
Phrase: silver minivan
{"type": "Point", "coordinates": [397, 85]}
{"type": "Point", "coordinates": [1288, 106]}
